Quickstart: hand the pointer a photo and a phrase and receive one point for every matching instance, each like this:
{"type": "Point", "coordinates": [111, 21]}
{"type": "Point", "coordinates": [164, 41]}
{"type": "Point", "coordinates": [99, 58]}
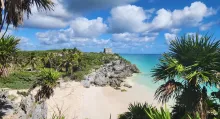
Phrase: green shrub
{"type": "Point", "coordinates": [79, 75]}
{"type": "Point", "coordinates": [136, 111]}
{"type": "Point", "coordinates": [123, 90]}
{"type": "Point", "coordinates": [145, 111]}
{"type": "Point", "coordinates": [58, 116]}
{"type": "Point", "coordinates": [154, 113]}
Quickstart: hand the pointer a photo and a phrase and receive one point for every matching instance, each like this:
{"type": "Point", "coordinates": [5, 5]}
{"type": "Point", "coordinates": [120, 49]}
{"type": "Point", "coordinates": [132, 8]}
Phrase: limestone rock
{"type": "Point", "coordinates": [127, 85]}
{"type": "Point", "coordinates": [26, 109]}
{"type": "Point", "coordinates": [113, 73]}
{"type": "Point", "coordinates": [85, 83]}
{"type": "Point", "coordinates": [32, 109]}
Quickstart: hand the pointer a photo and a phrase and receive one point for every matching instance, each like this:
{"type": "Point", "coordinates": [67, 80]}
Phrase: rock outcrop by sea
{"type": "Point", "coordinates": [112, 74]}
{"type": "Point", "coordinates": [26, 109]}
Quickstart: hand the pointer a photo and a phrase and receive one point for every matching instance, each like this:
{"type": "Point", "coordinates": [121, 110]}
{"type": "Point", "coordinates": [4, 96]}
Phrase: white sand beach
{"type": "Point", "coordinates": [78, 102]}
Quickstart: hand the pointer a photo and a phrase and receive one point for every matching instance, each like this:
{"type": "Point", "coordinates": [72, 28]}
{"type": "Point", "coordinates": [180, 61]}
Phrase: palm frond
{"type": "Point", "coordinates": [154, 113]}
{"type": "Point", "coordinates": [168, 90]}
{"type": "Point", "coordinates": [169, 68]}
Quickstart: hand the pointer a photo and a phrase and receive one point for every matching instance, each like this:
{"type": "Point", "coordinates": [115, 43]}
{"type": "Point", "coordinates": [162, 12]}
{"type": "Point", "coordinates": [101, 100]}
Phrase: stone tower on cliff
{"type": "Point", "coordinates": [108, 51]}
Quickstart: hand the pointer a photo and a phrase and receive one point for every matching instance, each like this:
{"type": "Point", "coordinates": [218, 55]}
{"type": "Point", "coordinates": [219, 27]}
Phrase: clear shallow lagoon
{"type": "Point", "coordinates": [145, 63]}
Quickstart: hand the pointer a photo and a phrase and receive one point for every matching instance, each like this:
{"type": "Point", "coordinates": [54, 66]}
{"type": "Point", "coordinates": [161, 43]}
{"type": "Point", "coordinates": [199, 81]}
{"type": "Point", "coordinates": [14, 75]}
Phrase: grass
{"type": "Point", "coordinates": [18, 80]}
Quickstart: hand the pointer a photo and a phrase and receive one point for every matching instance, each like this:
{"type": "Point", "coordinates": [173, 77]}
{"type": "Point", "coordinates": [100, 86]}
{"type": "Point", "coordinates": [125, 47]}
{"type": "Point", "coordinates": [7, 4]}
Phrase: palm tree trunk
{"type": "Point", "coordinates": [193, 82]}
{"type": "Point", "coordinates": [202, 109]}
{"type": "Point", "coordinates": [67, 67]}
{"type": "Point", "coordinates": [200, 105]}
{"type": "Point", "coordinates": [5, 31]}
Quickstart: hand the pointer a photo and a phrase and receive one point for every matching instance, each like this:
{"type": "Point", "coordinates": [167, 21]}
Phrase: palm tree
{"type": "Point", "coordinates": [12, 11]}
{"type": "Point", "coordinates": [32, 60]}
{"type": "Point", "coordinates": [8, 48]}
{"type": "Point", "coordinates": [48, 60]}
{"type": "Point", "coordinates": [191, 64]}
{"type": "Point", "coordinates": [71, 59]}
{"type": "Point", "coordinates": [47, 81]}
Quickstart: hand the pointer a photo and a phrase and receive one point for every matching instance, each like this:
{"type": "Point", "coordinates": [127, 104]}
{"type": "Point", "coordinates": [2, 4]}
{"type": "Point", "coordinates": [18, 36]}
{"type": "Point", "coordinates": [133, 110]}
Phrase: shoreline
{"type": "Point", "coordinates": [97, 102]}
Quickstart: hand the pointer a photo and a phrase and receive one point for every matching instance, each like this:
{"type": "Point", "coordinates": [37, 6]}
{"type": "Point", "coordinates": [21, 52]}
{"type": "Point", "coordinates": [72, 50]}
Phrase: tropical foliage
{"type": "Point", "coordinates": [47, 80]}
{"type": "Point", "coordinates": [7, 51]}
{"type": "Point", "coordinates": [145, 111]}
{"type": "Point", "coordinates": [12, 11]}
{"type": "Point", "coordinates": [188, 69]}
{"type": "Point", "coordinates": [71, 63]}
{"type": "Point", "coordinates": [154, 113]}
{"type": "Point", "coordinates": [136, 111]}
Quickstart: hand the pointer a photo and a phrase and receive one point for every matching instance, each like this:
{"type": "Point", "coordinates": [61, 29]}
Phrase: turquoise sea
{"type": "Point", "coordinates": [146, 62]}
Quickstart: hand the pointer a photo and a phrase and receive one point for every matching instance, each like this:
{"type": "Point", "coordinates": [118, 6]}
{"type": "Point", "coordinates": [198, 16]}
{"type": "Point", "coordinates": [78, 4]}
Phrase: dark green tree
{"type": "Point", "coordinates": [8, 49]}
{"type": "Point", "coordinates": [191, 64]}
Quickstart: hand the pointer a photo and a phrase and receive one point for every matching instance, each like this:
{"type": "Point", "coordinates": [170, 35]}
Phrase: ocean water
{"type": "Point", "coordinates": [145, 63]}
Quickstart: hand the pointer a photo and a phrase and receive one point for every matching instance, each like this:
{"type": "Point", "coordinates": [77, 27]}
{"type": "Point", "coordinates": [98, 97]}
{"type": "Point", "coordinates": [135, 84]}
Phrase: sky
{"type": "Point", "coordinates": [126, 26]}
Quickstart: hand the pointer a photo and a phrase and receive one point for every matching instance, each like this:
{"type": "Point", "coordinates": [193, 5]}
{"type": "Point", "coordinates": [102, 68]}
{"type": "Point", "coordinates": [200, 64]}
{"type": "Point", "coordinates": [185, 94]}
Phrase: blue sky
{"type": "Point", "coordinates": [126, 26]}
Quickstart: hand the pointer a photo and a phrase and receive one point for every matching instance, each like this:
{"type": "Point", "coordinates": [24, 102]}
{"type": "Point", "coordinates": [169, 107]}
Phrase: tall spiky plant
{"type": "Point", "coordinates": [47, 81]}
{"type": "Point", "coordinates": [8, 49]}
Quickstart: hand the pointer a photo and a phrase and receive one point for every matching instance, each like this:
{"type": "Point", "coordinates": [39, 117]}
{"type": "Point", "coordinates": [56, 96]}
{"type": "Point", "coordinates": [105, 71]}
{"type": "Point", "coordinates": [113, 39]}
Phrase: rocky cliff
{"type": "Point", "coordinates": [112, 74]}
{"type": "Point", "coordinates": [26, 109]}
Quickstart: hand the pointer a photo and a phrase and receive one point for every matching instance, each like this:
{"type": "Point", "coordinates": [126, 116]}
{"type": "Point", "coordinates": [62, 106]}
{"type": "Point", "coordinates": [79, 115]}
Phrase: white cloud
{"type": "Point", "coordinates": [25, 44]}
{"type": "Point", "coordinates": [128, 18]}
{"type": "Point", "coordinates": [83, 27]}
{"type": "Point", "coordinates": [169, 37]}
{"type": "Point", "coordinates": [131, 18]}
{"type": "Point", "coordinates": [56, 18]}
{"type": "Point", "coordinates": [175, 31]}
{"type": "Point", "coordinates": [129, 25]}
{"type": "Point", "coordinates": [65, 10]}
{"type": "Point", "coordinates": [162, 20]}
{"type": "Point", "coordinates": [80, 28]}
{"type": "Point", "coordinates": [207, 26]}
{"type": "Point", "coordinates": [44, 22]}
{"type": "Point", "coordinates": [131, 37]}
{"type": "Point", "coordinates": [189, 16]}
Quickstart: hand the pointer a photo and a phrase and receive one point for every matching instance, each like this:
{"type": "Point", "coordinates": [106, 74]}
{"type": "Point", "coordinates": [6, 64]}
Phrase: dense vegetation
{"type": "Point", "coordinates": [189, 69]}
{"type": "Point", "coordinates": [25, 66]}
